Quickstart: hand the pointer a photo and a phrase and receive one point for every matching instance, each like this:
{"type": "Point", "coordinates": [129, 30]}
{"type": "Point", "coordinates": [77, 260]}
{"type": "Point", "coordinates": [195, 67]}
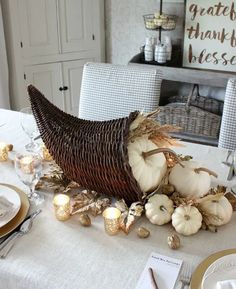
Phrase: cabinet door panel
{"type": "Point", "coordinates": [77, 24]}
{"type": "Point", "coordinates": [38, 25]}
{"type": "Point", "coordinates": [48, 79]}
{"type": "Point", "coordinates": [72, 74]}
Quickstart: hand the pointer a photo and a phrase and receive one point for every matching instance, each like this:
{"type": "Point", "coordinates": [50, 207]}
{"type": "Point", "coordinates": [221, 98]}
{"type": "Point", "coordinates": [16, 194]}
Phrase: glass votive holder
{"type": "Point", "coordinates": [26, 163]}
{"type": "Point", "coordinates": [111, 220]}
{"type": "Point", "coordinates": [3, 152]}
{"type": "Point", "coordinates": [61, 204]}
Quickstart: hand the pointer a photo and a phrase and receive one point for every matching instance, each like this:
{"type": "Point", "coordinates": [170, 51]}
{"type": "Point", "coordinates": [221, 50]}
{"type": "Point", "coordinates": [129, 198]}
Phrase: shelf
{"type": "Point", "coordinates": [174, 72]}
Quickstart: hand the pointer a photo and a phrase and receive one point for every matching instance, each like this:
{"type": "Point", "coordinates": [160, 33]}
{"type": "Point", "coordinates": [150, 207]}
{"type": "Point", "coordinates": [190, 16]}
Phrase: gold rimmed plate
{"type": "Point", "coordinates": [196, 282]}
{"type": "Point", "coordinates": [20, 216]}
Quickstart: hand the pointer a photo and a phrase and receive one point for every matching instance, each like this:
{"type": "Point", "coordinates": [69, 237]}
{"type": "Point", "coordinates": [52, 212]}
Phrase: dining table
{"type": "Point", "coordinates": [66, 255]}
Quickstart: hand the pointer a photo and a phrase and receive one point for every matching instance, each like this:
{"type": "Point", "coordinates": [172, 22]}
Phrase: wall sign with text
{"type": "Point", "coordinates": [210, 35]}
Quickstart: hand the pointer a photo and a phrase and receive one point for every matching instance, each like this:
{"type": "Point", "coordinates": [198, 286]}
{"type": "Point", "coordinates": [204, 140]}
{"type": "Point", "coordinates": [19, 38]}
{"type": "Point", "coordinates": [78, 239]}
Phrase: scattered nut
{"type": "Point", "coordinates": [143, 232]}
{"type": "Point", "coordinates": [9, 147]}
{"type": "Point", "coordinates": [167, 189]}
{"type": "Point", "coordinates": [85, 220]}
{"type": "Point", "coordinates": [173, 241]}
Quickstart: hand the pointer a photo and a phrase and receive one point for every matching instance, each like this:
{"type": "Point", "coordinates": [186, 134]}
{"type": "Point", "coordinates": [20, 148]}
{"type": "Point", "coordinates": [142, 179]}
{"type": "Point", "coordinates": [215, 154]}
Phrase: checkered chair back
{"type": "Point", "coordinates": [227, 138]}
{"type": "Point", "coordinates": [111, 91]}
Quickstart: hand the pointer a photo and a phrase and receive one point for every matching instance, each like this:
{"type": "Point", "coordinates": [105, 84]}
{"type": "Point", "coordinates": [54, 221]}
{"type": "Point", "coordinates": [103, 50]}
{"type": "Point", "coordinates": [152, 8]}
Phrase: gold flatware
{"type": "Point", "coordinates": [25, 227]}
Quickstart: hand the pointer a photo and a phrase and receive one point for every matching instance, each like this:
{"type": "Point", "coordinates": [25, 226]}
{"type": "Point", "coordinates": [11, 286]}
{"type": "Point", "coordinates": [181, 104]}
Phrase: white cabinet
{"type": "Point", "coordinates": [72, 76]}
{"type": "Point", "coordinates": [48, 42]}
{"type": "Point", "coordinates": [60, 82]}
{"type": "Point", "coordinates": [79, 29]}
{"type": "Point", "coordinates": [48, 79]}
{"type": "Point", "coordinates": [38, 27]}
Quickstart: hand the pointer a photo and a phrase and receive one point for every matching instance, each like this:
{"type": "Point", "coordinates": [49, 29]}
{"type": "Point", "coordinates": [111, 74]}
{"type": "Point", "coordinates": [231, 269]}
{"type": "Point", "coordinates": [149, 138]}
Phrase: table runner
{"type": "Point", "coordinates": [57, 255]}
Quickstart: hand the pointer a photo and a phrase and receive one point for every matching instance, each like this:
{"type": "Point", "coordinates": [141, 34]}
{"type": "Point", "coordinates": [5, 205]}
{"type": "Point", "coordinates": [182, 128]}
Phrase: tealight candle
{"type": "Point", "coordinates": [61, 204]}
{"type": "Point", "coordinates": [112, 220]}
{"type": "Point", "coordinates": [3, 152]}
{"type": "Point", "coordinates": [27, 164]}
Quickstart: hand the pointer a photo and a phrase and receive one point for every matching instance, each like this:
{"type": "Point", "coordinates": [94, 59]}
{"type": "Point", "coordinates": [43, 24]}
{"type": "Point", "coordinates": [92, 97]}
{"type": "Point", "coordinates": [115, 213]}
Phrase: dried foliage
{"type": "Point", "coordinates": [146, 125]}
{"type": "Point", "coordinates": [232, 199]}
{"type": "Point", "coordinates": [90, 202]}
{"type": "Point", "coordinates": [56, 180]}
{"type": "Point", "coordinates": [129, 215]}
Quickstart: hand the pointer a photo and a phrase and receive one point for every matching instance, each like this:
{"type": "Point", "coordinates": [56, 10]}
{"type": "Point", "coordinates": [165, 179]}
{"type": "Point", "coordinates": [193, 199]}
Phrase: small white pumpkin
{"type": "Point", "coordinates": [191, 180]}
{"type": "Point", "coordinates": [159, 209]}
{"type": "Point", "coordinates": [218, 209]}
{"type": "Point", "coordinates": [148, 171]}
{"type": "Point", "coordinates": [186, 220]}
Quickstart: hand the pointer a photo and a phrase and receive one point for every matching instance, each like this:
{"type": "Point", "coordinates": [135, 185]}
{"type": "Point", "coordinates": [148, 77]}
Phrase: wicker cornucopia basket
{"type": "Point", "coordinates": [92, 153]}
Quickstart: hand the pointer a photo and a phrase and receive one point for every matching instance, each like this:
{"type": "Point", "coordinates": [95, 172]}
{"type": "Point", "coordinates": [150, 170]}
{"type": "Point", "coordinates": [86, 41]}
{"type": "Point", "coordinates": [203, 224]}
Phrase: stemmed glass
{"type": "Point", "coordinates": [29, 170]}
{"type": "Point", "coordinates": [29, 126]}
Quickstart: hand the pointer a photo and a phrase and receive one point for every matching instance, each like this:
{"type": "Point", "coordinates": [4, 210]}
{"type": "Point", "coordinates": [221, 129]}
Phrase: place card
{"type": "Point", "coordinates": [165, 269]}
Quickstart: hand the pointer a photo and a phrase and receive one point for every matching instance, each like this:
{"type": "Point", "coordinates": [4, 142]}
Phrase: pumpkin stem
{"type": "Point", "coordinates": [162, 208]}
{"type": "Point", "coordinates": [211, 173]}
{"type": "Point", "coordinates": [153, 113]}
{"type": "Point", "coordinates": [187, 217]}
{"type": "Point", "coordinates": [162, 150]}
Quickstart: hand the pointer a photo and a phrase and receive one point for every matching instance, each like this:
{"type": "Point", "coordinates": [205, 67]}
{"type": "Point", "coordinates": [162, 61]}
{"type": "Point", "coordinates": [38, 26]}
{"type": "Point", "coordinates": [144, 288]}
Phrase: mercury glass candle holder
{"type": "Point", "coordinates": [61, 204]}
{"type": "Point", "coordinates": [3, 152]}
{"type": "Point", "coordinates": [111, 220]}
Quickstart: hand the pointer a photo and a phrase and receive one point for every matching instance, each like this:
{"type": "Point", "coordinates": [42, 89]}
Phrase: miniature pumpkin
{"type": "Point", "coordinates": [217, 209]}
{"type": "Point", "coordinates": [159, 209]}
{"type": "Point", "coordinates": [148, 171]}
{"type": "Point", "coordinates": [191, 180]}
{"type": "Point", "coordinates": [186, 220]}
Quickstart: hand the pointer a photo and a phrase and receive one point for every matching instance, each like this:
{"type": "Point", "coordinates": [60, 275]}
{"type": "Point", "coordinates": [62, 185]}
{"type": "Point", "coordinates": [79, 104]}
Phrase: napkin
{"type": "Point", "coordinates": [227, 284]}
{"type": "Point", "coordinates": [5, 206]}
{"type": "Point", "coordinates": [165, 269]}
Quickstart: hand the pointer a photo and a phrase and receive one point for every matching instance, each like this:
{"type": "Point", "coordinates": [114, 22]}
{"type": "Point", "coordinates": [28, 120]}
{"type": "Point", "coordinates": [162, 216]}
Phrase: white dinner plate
{"type": "Point", "coordinates": [222, 269]}
{"type": "Point", "coordinates": [12, 197]}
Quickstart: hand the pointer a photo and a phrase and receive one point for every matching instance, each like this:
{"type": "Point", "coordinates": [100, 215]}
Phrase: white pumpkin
{"type": "Point", "coordinates": [218, 210]}
{"type": "Point", "coordinates": [159, 209]}
{"type": "Point", "coordinates": [191, 180]}
{"type": "Point", "coordinates": [186, 220]}
{"type": "Point", "coordinates": [148, 171]}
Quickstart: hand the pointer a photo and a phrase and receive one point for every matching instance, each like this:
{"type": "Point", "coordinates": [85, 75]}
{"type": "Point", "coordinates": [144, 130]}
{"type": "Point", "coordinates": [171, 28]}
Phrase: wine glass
{"type": "Point", "coordinates": [29, 126]}
{"type": "Point", "coordinates": [29, 170]}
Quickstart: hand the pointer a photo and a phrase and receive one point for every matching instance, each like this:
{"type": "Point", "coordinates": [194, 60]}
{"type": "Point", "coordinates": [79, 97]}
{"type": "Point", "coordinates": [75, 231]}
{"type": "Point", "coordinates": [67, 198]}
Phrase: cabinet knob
{"type": "Point", "coordinates": [65, 88]}
{"type": "Point", "coordinates": [60, 88]}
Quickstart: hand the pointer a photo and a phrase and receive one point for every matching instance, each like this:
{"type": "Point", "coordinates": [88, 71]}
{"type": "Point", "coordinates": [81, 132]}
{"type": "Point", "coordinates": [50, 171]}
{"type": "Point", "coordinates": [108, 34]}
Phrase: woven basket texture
{"type": "Point", "coordinates": [192, 119]}
{"type": "Point", "coordinates": [195, 114]}
{"type": "Point", "coordinates": [91, 153]}
{"type": "Point", "coordinates": [206, 103]}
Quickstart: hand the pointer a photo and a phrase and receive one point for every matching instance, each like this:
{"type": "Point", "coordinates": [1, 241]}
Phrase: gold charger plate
{"type": "Point", "coordinates": [20, 216]}
{"type": "Point", "coordinates": [198, 274]}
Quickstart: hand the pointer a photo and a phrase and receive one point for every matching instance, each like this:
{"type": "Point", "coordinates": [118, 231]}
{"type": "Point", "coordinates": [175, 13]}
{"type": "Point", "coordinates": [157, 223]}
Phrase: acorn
{"type": "Point", "coordinates": [167, 189]}
{"type": "Point", "coordinates": [173, 241]}
{"type": "Point", "coordinates": [143, 233]}
{"type": "Point", "coordinates": [85, 220]}
{"type": "Point", "coordinates": [10, 147]}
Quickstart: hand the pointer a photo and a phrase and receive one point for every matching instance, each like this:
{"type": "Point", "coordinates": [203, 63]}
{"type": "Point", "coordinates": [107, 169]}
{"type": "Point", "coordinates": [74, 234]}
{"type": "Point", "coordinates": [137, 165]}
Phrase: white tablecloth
{"type": "Point", "coordinates": [61, 255]}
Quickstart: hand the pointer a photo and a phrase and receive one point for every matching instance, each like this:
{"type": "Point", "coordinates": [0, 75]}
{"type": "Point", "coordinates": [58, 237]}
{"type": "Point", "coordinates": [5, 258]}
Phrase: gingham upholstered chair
{"type": "Point", "coordinates": [227, 138]}
{"type": "Point", "coordinates": [111, 91]}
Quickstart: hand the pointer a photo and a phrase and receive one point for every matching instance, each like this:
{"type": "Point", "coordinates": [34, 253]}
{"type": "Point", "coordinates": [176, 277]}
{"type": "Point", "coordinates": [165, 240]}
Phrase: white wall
{"type": "Point", "coordinates": [125, 30]}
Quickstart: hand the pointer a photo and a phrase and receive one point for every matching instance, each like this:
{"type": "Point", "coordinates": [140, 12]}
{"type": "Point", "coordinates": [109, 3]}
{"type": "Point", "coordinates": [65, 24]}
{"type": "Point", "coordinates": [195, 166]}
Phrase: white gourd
{"type": "Point", "coordinates": [186, 220]}
{"type": "Point", "coordinates": [191, 180]}
{"type": "Point", "coordinates": [219, 210]}
{"type": "Point", "coordinates": [148, 171]}
{"type": "Point", "coordinates": [159, 209]}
